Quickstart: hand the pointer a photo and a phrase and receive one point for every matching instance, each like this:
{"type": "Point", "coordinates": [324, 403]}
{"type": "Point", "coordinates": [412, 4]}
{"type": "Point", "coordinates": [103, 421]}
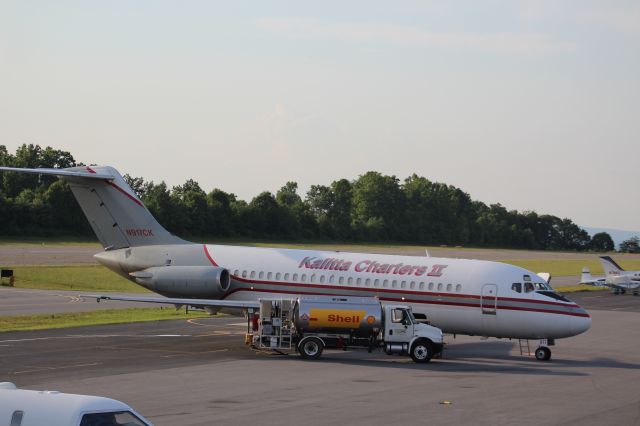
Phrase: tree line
{"type": "Point", "coordinates": [372, 208]}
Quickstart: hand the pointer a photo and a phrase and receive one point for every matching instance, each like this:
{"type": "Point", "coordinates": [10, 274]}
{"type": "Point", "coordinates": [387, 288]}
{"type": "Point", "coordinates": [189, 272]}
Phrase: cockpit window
{"type": "Point", "coordinates": [554, 295]}
{"type": "Point", "coordinates": [517, 287]}
{"type": "Point", "coordinates": [542, 286]}
{"type": "Point", "coordinates": [528, 287]}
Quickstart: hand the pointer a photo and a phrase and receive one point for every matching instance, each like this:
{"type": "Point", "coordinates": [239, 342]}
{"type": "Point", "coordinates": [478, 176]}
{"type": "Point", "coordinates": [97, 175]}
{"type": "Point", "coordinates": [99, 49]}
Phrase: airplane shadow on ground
{"type": "Point", "coordinates": [480, 357]}
{"type": "Point", "coordinates": [502, 350]}
{"type": "Point", "coordinates": [489, 361]}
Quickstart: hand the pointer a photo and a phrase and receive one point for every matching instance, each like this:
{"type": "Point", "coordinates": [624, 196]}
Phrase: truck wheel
{"type": "Point", "coordinates": [310, 348]}
{"type": "Point", "coordinates": [422, 351]}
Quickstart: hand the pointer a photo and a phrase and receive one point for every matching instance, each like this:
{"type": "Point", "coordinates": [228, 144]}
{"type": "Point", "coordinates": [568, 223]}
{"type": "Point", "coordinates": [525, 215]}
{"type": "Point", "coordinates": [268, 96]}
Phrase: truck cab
{"type": "Point", "coordinates": [404, 334]}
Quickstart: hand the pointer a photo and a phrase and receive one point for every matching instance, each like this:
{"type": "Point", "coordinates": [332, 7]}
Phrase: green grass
{"type": "Point", "coordinates": [567, 267]}
{"type": "Point", "coordinates": [101, 317]}
{"type": "Point", "coordinates": [73, 277]}
{"type": "Point", "coordinates": [577, 288]}
{"type": "Point", "coordinates": [49, 241]}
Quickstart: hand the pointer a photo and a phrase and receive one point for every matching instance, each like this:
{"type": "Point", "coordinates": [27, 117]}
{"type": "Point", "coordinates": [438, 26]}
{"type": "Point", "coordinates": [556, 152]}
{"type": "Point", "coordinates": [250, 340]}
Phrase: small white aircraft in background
{"type": "Point", "coordinates": [459, 296]}
{"type": "Point", "coordinates": [615, 277]}
{"type": "Point", "coordinates": [587, 279]}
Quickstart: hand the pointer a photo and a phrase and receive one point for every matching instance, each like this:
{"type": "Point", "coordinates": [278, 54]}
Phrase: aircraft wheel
{"type": "Point", "coordinates": [310, 348]}
{"type": "Point", "coordinates": [422, 351]}
{"type": "Point", "coordinates": [543, 353]}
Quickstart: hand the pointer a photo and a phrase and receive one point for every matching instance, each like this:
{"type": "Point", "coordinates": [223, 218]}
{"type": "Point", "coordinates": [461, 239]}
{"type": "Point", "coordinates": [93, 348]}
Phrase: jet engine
{"type": "Point", "coordinates": [185, 281]}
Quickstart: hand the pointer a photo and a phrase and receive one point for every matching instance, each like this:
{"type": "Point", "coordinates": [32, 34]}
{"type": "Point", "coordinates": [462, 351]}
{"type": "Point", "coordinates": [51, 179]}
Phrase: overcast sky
{"type": "Point", "coordinates": [533, 104]}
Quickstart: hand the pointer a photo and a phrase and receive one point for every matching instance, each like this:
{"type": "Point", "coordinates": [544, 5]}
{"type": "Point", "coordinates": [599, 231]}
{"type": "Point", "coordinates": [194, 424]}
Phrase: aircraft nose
{"type": "Point", "coordinates": [580, 324]}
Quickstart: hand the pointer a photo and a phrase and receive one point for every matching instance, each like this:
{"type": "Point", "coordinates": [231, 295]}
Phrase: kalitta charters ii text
{"type": "Point", "coordinates": [332, 264]}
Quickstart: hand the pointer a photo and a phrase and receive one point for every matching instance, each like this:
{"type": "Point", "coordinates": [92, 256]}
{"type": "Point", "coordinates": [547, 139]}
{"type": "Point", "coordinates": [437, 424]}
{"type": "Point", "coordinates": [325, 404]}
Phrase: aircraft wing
{"type": "Point", "coordinates": [200, 303]}
{"type": "Point", "coordinates": [597, 282]}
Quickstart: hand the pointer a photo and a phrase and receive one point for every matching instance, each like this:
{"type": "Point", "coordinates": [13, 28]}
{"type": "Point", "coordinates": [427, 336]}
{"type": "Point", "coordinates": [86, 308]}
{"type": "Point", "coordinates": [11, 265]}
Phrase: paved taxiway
{"type": "Point", "coordinates": [198, 372]}
{"type": "Point", "coordinates": [22, 301]}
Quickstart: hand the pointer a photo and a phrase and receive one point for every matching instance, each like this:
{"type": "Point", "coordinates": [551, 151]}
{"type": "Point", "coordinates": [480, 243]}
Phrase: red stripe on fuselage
{"type": "Point", "coordinates": [405, 300]}
{"type": "Point", "coordinates": [206, 252]}
{"type": "Point", "coordinates": [418, 293]}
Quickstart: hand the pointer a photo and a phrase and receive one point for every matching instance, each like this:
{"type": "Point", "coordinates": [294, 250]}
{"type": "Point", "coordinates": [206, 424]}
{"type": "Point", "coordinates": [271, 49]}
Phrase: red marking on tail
{"type": "Point", "coordinates": [131, 197]}
{"type": "Point", "coordinates": [108, 182]}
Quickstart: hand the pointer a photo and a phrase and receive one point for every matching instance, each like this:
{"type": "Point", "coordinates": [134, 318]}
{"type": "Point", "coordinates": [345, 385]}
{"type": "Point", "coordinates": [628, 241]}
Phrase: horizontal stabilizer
{"type": "Point", "coordinates": [60, 172]}
{"type": "Point", "coordinates": [239, 304]}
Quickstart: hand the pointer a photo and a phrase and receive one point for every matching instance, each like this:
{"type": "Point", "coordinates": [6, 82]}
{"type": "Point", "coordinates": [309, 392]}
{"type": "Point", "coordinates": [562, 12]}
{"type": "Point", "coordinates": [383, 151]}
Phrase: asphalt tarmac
{"type": "Point", "coordinates": [23, 301]}
{"type": "Point", "coordinates": [198, 372]}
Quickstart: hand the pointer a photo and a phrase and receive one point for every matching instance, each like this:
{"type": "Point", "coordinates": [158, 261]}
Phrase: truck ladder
{"type": "Point", "coordinates": [276, 329]}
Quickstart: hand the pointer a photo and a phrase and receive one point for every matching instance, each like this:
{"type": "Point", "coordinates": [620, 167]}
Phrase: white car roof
{"type": "Point", "coordinates": [52, 407]}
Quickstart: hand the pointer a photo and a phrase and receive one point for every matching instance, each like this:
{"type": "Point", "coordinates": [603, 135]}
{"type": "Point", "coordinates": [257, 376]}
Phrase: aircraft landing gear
{"type": "Point", "coordinates": [543, 353]}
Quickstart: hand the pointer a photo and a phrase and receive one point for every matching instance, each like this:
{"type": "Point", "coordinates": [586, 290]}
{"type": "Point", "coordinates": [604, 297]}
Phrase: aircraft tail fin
{"type": "Point", "coordinates": [610, 266]}
{"type": "Point", "coordinates": [586, 275]}
{"type": "Point", "coordinates": [115, 213]}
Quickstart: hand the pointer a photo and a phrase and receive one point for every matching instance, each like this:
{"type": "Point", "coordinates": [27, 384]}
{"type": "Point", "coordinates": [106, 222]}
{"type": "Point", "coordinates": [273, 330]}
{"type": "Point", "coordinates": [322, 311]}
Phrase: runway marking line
{"type": "Point", "coordinates": [219, 333]}
{"type": "Point", "coordinates": [91, 336]}
{"type": "Point", "coordinates": [194, 321]}
{"type": "Point", "coordinates": [173, 353]}
{"type": "Point", "coordinates": [37, 369]}
{"type": "Point", "coordinates": [195, 353]}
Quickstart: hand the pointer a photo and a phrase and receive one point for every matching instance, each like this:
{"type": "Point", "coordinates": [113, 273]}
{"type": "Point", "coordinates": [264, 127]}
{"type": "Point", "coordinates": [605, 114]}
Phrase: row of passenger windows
{"type": "Point", "coordinates": [331, 279]}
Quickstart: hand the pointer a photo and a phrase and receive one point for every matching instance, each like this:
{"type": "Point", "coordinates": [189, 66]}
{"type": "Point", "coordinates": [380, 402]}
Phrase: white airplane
{"type": "Point", "coordinates": [587, 279]}
{"type": "Point", "coordinates": [615, 277]}
{"type": "Point", "coordinates": [459, 296]}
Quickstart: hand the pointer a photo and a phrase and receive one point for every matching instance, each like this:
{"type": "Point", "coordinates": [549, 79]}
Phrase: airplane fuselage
{"type": "Point", "coordinates": [457, 295]}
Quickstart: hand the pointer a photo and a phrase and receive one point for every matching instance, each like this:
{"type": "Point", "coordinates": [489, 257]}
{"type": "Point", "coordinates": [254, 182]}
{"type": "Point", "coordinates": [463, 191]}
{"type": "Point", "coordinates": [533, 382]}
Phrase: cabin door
{"type": "Point", "coordinates": [489, 299]}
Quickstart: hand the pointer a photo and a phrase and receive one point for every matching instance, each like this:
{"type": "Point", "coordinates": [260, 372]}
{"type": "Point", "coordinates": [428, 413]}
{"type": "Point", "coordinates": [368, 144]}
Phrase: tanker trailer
{"type": "Point", "coordinates": [308, 325]}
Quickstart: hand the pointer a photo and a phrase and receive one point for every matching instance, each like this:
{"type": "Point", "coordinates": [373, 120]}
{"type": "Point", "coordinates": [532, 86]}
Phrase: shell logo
{"type": "Point", "coordinates": [371, 319]}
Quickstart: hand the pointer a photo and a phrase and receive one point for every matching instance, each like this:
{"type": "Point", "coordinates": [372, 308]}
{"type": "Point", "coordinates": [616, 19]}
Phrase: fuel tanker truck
{"type": "Point", "coordinates": [308, 325]}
